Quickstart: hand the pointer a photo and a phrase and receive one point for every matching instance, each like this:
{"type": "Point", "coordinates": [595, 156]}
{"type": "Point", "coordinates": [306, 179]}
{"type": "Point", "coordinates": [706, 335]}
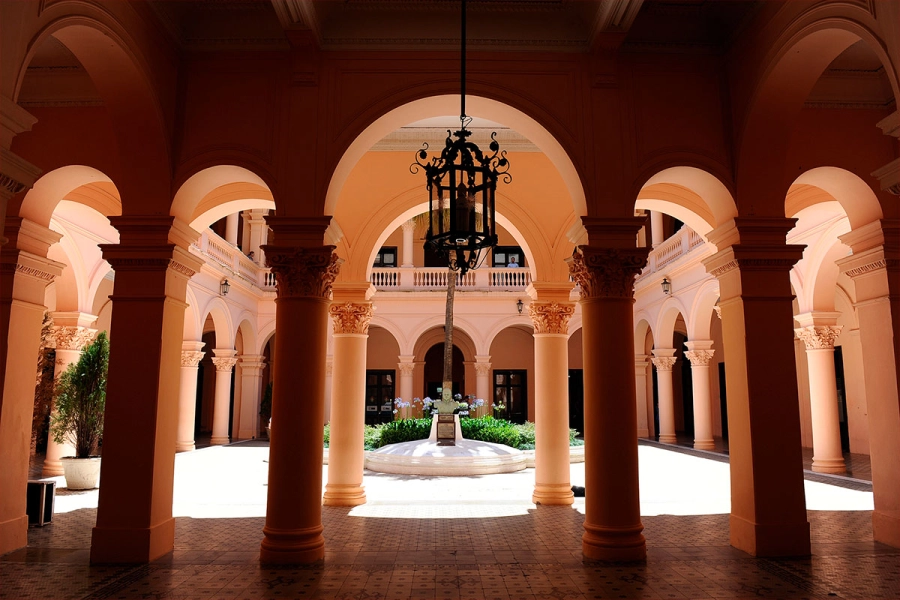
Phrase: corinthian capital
{"type": "Point", "coordinates": [699, 358]}
{"type": "Point", "coordinates": [351, 317]}
{"type": "Point", "coordinates": [303, 272]}
{"type": "Point", "coordinates": [69, 337]}
{"type": "Point", "coordinates": [551, 317]}
{"type": "Point", "coordinates": [223, 363]}
{"type": "Point", "coordinates": [819, 337]}
{"type": "Point", "coordinates": [190, 358]}
{"type": "Point", "coordinates": [607, 272]}
{"type": "Point", "coordinates": [663, 363]}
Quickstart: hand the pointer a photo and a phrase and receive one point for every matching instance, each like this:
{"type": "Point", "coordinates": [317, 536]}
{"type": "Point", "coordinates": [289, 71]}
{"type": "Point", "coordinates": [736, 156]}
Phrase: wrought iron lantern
{"type": "Point", "coordinates": [461, 186]}
{"type": "Point", "coordinates": [666, 286]}
{"type": "Point", "coordinates": [224, 287]}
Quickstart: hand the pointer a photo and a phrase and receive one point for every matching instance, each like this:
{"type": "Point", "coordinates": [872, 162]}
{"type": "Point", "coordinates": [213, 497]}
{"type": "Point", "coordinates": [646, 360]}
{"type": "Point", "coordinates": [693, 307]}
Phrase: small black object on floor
{"type": "Point", "coordinates": [578, 491]}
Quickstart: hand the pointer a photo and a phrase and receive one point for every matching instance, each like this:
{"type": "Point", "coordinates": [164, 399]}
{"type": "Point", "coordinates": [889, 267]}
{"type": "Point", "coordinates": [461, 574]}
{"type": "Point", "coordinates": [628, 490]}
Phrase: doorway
{"type": "Point", "coordinates": [576, 400]}
{"type": "Point", "coordinates": [511, 390]}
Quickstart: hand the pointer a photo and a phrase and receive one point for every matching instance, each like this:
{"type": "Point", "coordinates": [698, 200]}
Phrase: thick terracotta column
{"type": "Point", "coordinates": [351, 314]}
{"type": "Point", "coordinates": [612, 521]}
{"type": "Point", "coordinates": [699, 353]}
{"type": "Point", "coordinates": [664, 359]}
{"type": "Point", "coordinates": [407, 368]}
{"type": "Point", "coordinates": [552, 483]}
{"type": "Point", "coordinates": [818, 332]}
{"type": "Point", "coordinates": [304, 274]}
{"type": "Point", "coordinates": [224, 360]}
{"type": "Point", "coordinates": [153, 267]}
{"type": "Point", "coordinates": [640, 390]}
{"type": "Point", "coordinates": [875, 271]}
{"type": "Point", "coordinates": [251, 393]}
{"type": "Point", "coordinates": [483, 383]}
{"type": "Point", "coordinates": [187, 395]}
{"type": "Point", "coordinates": [768, 504]}
{"type": "Point", "coordinates": [24, 276]}
{"type": "Point", "coordinates": [69, 340]}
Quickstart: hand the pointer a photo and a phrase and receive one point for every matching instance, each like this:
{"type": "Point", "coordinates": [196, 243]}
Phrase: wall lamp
{"type": "Point", "coordinates": [224, 287]}
{"type": "Point", "coordinates": [520, 305]}
{"type": "Point", "coordinates": [666, 286]}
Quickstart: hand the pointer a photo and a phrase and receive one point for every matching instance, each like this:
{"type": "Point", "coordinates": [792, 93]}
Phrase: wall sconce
{"type": "Point", "coordinates": [520, 305]}
{"type": "Point", "coordinates": [666, 286]}
{"type": "Point", "coordinates": [224, 287]}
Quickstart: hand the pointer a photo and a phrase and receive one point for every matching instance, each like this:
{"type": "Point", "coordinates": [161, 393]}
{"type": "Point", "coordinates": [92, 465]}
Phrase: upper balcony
{"type": "Point", "coordinates": [433, 279]}
{"type": "Point", "coordinates": [232, 262]}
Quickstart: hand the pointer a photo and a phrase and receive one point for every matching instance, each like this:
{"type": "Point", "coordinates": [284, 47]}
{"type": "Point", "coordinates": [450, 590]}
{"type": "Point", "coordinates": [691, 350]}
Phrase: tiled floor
{"type": "Point", "coordinates": [477, 537]}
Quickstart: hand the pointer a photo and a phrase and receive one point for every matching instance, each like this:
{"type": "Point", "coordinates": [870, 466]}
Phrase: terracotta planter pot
{"type": "Point", "coordinates": [81, 473]}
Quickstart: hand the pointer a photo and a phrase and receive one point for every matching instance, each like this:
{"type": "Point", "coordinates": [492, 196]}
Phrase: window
{"type": "Point", "coordinates": [504, 256]}
{"type": "Point", "coordinates": [386, 257]}
{"type": "Point", "coordinates": [510, 391]}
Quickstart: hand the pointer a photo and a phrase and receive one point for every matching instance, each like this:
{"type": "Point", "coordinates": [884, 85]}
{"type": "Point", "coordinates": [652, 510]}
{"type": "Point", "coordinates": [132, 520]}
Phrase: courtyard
{"type": "Point", "coordinates": [464, 537]}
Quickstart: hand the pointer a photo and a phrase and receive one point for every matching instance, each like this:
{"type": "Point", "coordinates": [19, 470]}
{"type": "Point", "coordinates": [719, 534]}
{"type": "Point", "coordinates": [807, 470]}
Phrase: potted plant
{"type": "Point", "coordinates": [80, 399]}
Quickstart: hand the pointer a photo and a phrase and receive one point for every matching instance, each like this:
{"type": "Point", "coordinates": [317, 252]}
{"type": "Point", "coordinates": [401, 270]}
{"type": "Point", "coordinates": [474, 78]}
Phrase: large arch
{"type": "Point", "coordinates": [221, 316]}
{"type": "Point", "coordinates": [698, 319]}
{"type": "Point", "coordinates": [856, 198]}
{"type": "Point", "coordinates": [665, 321]}
{"type": "Point", "coordinates": [689, 194]}
{"type": "Point", "coordinates": [435, 335]}
{"type": "Point", "coordinates": [215, 192]}
{"type": "Point", "coordinates": [42, 199]}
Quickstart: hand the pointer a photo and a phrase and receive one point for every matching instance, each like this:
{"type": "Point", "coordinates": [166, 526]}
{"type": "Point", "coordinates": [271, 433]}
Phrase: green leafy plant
{"type": "Point", "coordinates": [327, 434]}
{"type": "Point", "coordinates": [80, 400]}
{"type": "Point", "coordinates": [372, 437]}
{"type": "Point", "coordinates": [404, 430]}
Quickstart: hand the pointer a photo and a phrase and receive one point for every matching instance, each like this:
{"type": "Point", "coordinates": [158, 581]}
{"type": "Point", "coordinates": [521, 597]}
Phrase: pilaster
{"type": "Point", "coordinates": [664, 359]}
{"type": "Point", "coordinates": [191, 356]}
{"type": "Point", "coordinates": [224, 360]}
{"type": "Point", "coordinates": [700, 352]}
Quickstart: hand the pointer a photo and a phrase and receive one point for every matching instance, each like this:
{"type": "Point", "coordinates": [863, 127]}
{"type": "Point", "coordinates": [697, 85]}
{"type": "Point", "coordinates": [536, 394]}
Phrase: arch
{"type": "Point", "coordinates": [266, 333]}
{"type": "Point", "coordinates": [247, 330]}
{"type": "Point", "coordinates": [665, 321]}
{"type": "Point", "coordinates": [511, 321]}
{"type": "Point", "coordinates": [392, 328]}
{"type": "Point", "coordinates": [447, 105]}
{"type": "Point", "coordinates": [47, 192]}
{"type": "Point", "coordinates": [215, 192]}
{"type": "Point", "coordinates": [698, 322]}
{"type": "Point", "coordinates": [691, 195]}
{"type": "Point", "coordinates": [641, 329]}
{"type": "Point", "coordinates": [435, 335]}
{"type": "Point", "coordinates": [221, 316]}
{"type": "Point", "coordinates": [854, 195]}
{"type": "Point", "coordinates": [193, 324]}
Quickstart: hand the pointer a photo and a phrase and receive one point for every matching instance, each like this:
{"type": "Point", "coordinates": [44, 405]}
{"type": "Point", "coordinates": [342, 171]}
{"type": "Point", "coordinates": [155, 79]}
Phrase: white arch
{"type": "Point", "coordinates": [665, 321]}
{"type": "Point", "coordinates": [200, 184]}
{"type": "Point", "coordinates": [264, 335]}
{"type": "Point", "coordinates": [221, 316]}
{"type": "Point", "coordinates": [438, 321]}
{"type": "Point", "coordinates": [510, 321]}
{"type": "Point", "coordinates": [694, 196]}
{"type": "Point", "coordinates": [698, 321]}
{"type": "Point", "coordinates": [394, 330]}
{"type": "Point", "coordinates": [41, 200]}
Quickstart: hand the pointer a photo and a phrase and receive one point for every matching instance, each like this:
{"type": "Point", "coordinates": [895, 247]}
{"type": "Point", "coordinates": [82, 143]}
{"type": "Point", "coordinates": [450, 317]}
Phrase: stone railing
{"type": "Point", "coordinates": [671, 250]}
{"type": "Point", "coordinates": [233, 262]}
{"type": "Point", "coordinates": [435, 278]}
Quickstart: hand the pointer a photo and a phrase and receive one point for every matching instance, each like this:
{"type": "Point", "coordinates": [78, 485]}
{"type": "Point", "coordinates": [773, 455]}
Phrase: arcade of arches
{"type": "Point", "coordinates": [748, 156]}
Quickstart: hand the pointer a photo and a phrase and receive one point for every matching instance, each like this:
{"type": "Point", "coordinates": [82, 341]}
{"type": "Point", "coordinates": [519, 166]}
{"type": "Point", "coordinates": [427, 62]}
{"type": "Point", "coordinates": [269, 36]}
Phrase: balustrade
{"type": "Point", "coordinates": [435, 278]}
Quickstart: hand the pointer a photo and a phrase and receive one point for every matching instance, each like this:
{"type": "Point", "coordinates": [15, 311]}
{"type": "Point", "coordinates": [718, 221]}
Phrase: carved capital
{"type": "Point", "coordinates": [407, 368]}
{"type": "Point", "coordinates": [191, 358]}
{"type": "Point", "coordinates": [699, 358]}
{"type": "Point", "coordinates": [550, 317]}
{"type": "Point", "coordinates": [303, 272]}
{"type": "Point", "coordinates": [224, 364]}
{"type": "Point", "coordinates": [819, 337]}
{"type": "Point", "coordinates": [607, 272]}
{"type": "Point", "coordinates": [351, 317]}
{"type": "Point", "coordinates": [663, 363]}
{"type": "Point", "coordinates": [718, 310]}
{"type": "Point", "coordinates": [68, 337]}
{"type": "Point", "coordinates": [483, 369]}
{"type": "Point", "coordinates": [409, 225]}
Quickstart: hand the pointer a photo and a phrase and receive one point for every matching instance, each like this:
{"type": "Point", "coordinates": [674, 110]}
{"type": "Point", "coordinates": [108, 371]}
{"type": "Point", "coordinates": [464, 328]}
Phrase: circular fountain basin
{"type": "Point", "coordinates": [426, 457]}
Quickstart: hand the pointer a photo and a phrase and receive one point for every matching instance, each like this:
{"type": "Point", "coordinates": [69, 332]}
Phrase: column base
{"type": "Point", "coordinates": [886, 527]}
{"type": "Point", "coordinates": [553, 494]}
{"type": "Point", "coordinates": [292, 546]}
{"type": "Point", "coordinates": [614, 544]}
{"type": "Point", "coordinates": [14, 533]}
{"type": "Point", "coordinates": [343, 494]}
{"type": "Point", "coordinates": [52, 468]}
{"type": "Point", "coordinates": [704, 445]}
{"type": "Point", "coordinates": [185, 446]}
{"type": "Point", "coordinates": [829, 465]}
{"type": "Point", "coordinates": [219, 441]}
{"type": "Point", "coordinates": [770, 540]}
{"type": "Point", "coordinates": [667, 438]}
{"type": "Point", "coordinates": [132, 545]}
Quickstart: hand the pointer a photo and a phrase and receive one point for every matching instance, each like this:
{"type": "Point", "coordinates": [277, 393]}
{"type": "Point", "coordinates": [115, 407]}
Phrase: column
{"type": "Point", "coordinates": [24, 276]}
{"type": "Point", "coordinates": [612, 521]}
{"type": "Point", "coordinates": [304, 271]}
{"type": "Point", "coordinates": [351, 314]}
{"type": "Point", "coordinates": [224, 360]}
{"type": "Point", "coordinates": [552, 484]}
{"type": "Point", "coordinates": [699, 353]}
{"type": "Point", "coordinates": [640, 388]}
{"type": "Point", "coordinates": [257, 234]}
{"type": "Point", "coordinates": [768, 504]}
{"type": "Point", "coordinates": [231, 228]}
{"type": "Point", "coordinates": [329, 379]}
{"type": "Point", "coordinates": [828, 457]}
{"type": "Point", "coordinates": [16, 174]}
{"type": "Point", "coordinates": [70, 340]}
{"type": "Point", "coordinates": [656, 228]}
{"type": "Point", "coordinates": [153, 267]}
{"type": "Point", "coordinates": [483, 382]}
{"type": "Point", "coordinates": [409, 228]}
{"type": "Point", "coordinates": [873, 267]}
{"type": "Point", "coordinates": [251, 393]}
{"type": "Point", "coordinates": [406, 367]}
{"type": "Point", "coordinates": [664, 359]}
{"type": "Point", "coordinates": [187, 396]}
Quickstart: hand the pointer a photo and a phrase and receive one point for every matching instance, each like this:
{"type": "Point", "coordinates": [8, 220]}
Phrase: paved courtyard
{"type": "Point", "coordinates": [474, 537]}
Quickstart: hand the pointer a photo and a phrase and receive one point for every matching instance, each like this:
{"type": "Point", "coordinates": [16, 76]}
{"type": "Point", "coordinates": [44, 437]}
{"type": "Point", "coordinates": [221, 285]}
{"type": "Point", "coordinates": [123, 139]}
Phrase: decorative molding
{"type": "Point", "coordinates": [699, 358]}
{"type": "Point", "coordinates": [718, 310]}
{"type": "Point", "coordinates": [607, 272]}
{"type": "Point", "coordinates": [867, 268]}
{"type": "Point", "coordinates": [551, 317]}
{"type": "Point", "coordinates": [408, 368]}
{"type": "Point", "coordinates": [149, 264]}
{"type": "Point", "coordinates": [70, 337]}
{"type": "Point", "coordinates": [303, 272]}
{"type": "Point", "coordinates": [351, 317]}
{"type": "Point", "coordinates": [819, 337]}
{"type": "Point", "coordinates": [483, 369]}
{"type": "Point", "coordinates": [224, 364]}
{"type": "Point", "coordinates": [663, 363]}
{"type": "Point", "coordinates": [754, 264]}
{"type": "Point", "coordinates": [10, 185]}
{"type": "Point", "coordinates": [21, 269]}
{"type": "Point", "coordinates": [191, 358]}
